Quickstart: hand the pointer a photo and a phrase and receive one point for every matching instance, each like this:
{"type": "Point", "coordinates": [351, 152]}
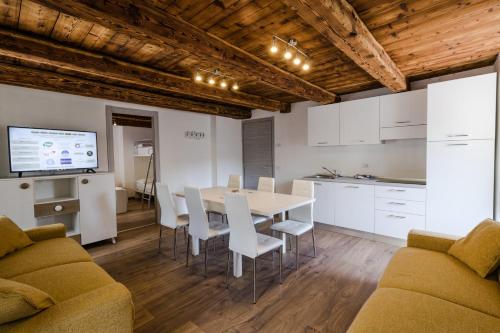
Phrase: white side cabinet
{"type": "Point", "coordinates": [462, 109]}
{"type": "Point", "coordinates": [17, 201]}
{"type": "Point", "coordinates": [324, 206]}
{"type": "Point", "coordinates": [403, 115]}
{"type": "Point", "coordinates": [359, 122]}
{"type": "Point", "coordinates": [323, 125]}
{"type": "Point", "coordinates": [97, 207]}
{"type": "Point", "coordinates": [354, 206]}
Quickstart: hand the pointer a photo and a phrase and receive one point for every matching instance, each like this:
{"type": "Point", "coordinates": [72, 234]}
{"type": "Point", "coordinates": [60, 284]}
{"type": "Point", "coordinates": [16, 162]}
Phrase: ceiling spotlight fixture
{"type": "Point", "coordinates": [291, 49]}
{"type": "Point", "coordinates": [215, 77]}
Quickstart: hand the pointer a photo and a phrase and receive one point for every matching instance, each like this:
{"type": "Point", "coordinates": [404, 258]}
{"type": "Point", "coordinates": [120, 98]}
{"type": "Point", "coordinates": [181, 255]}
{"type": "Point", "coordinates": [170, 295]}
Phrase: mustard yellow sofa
{"type": "Point", "coordinates": [425, 290]}
{"type": "Point", "coordinates": [87, 298]}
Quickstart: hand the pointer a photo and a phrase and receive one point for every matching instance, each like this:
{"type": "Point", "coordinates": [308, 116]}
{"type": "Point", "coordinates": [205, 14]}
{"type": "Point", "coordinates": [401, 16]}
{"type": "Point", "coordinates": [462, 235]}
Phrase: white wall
{"type": "Point", "coordinates": [497, 150]}
{"type": "Point", "coordinates": [183, 161]}
{"type": "Point", "coordinates": [227, 149]}
{"type": "Point", "coordinates": [118, 156]}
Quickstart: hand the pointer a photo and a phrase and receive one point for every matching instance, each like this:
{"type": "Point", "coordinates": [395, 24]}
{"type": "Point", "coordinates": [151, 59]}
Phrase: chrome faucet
{"type": "Point", "coordinates": [333, 173]}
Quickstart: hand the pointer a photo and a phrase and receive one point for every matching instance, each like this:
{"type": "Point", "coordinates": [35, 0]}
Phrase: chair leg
{"type": "Point", "coordinates": [227, 268]}
{"type": "Point", "coordinates": [289, 241]}
{"type": "Point", "coordinates": [296, 253]}
{"type": "Point", "coordinates": [215, 241]}
{"type": "Point", "coordinates": [314, 243]}
{"type": "Point", "coordinates": [281, 261]}
{"type": "Point", "coordinates": [187, 253]}
{"type": "Point", "coordinates": [254, 280]}
{"type": "Point", "coordinates": [206, 256]}
{"type": "Point", "coordinates": [159, 240]}
{"type": "Point", "coordinates": [185, 232]}
{"type": "Point", "coordinates": [175, 244]}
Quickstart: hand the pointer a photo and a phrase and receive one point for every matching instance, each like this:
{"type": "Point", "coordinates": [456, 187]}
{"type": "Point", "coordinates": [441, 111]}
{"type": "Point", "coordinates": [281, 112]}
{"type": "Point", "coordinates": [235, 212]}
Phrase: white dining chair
{"type": "Point", "coordinates": [199, 226]}
{"type": "Point", "coordinates": [243, 238]}
{"type": "Point", "coordinates": [234, 182]}
{"type": "Point", "coordinates": [169, 217]}
{"type": "Point", "coordinates": [266, 184]}
{"type": "Point", "coordinates": [300, 220]}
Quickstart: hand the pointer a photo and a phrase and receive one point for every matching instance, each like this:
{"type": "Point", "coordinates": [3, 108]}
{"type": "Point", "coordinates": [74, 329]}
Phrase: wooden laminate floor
{"type": "Point", "coordinates": [138, 215]}
{"type": "Point", "coordinates": [323, 296]}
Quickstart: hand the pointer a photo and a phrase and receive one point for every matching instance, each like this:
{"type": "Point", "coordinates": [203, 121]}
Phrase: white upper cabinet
{"type": "Point", "coordinates": [404, 109]}
{"type": "Point", "coordinates": [323, 125]}
{"type": "Point", "coordinates": [462, 109]}
{"type": "Point", "coordinates": [359, 122]}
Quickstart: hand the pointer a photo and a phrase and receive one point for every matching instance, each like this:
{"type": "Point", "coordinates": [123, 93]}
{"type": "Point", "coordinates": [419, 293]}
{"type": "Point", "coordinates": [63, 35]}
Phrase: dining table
{"type": "Point", "coordinates": [262, 203]}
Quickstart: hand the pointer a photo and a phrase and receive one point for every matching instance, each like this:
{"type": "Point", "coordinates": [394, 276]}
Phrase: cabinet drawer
{"type": "Point", "coordinates": [57, 208]}
{"type": "Point", "coordinates": [403, 206]}
{"type": "Point", "coordinates": [397, 224]}
{"type": "Point", "coordinates": [402, 193]}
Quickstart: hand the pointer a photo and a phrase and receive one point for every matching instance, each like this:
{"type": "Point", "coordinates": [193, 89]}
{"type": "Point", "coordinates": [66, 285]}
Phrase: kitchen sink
{"type": "Point", "coordinates": [321, 177]}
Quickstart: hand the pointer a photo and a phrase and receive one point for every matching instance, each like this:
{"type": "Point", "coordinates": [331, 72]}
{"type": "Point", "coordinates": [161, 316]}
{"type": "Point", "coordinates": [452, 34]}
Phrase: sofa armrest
{"type": "Point", "coordinates": [430, 240]}
{"type": "Point", "coordinates": [45, 232]}
{"type": "Point", "coordinates": [106, 309]}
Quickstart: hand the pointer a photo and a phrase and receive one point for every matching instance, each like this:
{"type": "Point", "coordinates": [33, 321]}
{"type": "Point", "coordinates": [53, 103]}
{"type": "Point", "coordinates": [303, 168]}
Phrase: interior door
{"type": "Point", "coordinates": [258, 150]}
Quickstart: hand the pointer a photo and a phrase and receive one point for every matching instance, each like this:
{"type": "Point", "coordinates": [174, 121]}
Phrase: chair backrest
{"type": "Point", "coordinates": [198, 221]}
{"type": "Point", "coordinates": [234, 181]}
{"type": "Point", "coordinates": [168, 214]}
{"type": "Point", "coordinates": [266, 184]}
{"type": "Point", "coordinates": [302, 188]}
{"type": "Point", "coordinates": [243, 237]}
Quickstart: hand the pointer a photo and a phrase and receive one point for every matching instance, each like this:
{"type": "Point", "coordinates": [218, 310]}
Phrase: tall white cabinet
{"type": "Point", "coordinates": [460, 153]}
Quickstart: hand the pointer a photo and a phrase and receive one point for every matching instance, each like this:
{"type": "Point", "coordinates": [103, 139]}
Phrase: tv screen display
{"type": "Point", "coordinates": [40, 149]}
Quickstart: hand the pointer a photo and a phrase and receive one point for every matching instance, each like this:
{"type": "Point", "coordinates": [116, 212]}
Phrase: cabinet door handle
{"type": "Point", "coordinates": [351, 186]}
{"type": "Point", "coordinates": [396, 190]}
{"type": "Point", "coordinates": [322, 143]}
{"type": "Point", "coordinates": [456, 135]}
{"type": "Point", "coordinates": [396, 216]}
{"type": "Point", "coordinates": [361, 140]}
{"type": "Point", "coordinates": [318, 184]}
{"type": "Point", "coordinates": [397, 203]}
{"type": "Point", "coordinates": [24, 186]}
{"type": "Point", "coordinates": [85, 181]}
{"type": "Point", "coordinates": [403, 122]}
{"type": "Point", "coordinates": [457, 144]}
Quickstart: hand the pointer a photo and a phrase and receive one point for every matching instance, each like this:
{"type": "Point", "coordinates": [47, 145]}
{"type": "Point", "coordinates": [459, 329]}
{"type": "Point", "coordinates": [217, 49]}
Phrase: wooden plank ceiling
{"type": "Point", "coordinates": [419, 38]}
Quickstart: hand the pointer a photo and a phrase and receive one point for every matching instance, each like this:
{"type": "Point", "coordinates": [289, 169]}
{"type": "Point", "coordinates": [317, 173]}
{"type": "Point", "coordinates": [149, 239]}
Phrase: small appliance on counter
{"type": "Point", "coordinates": [359, 176]}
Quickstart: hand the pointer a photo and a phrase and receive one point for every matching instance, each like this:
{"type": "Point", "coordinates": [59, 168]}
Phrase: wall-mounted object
{"type": "Point", "coordinates": [194, 135]}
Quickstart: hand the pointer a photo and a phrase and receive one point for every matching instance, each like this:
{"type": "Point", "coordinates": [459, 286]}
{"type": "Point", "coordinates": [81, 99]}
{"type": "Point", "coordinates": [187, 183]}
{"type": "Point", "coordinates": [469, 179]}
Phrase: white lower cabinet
{"type": "Point", "coordinates": [397, 224]}
{"type": "Point", "coordinates": [324, 206]}
{"type": "Point", "coordinates": [354, 206]}
{"type": "Point", "coordinates": [16, 201]}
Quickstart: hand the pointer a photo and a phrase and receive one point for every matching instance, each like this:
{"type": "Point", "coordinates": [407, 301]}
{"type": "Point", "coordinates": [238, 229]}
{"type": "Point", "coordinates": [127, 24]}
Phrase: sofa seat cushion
{"type": "Point", "coordinates": [48, 253]}
{"type": "Point", "coordinates": [391, 310]}
{"type": "Point", "coordinates": [439, 274]}
{"type": "Point", "coordinates": [67, 281]}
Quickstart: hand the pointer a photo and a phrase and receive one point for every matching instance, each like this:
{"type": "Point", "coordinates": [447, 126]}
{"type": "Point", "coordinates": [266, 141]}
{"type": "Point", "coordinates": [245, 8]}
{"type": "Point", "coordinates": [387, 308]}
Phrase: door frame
{"type": "Point", "coordinates": [110, 109]}
{"type": "Point", "coordinates": [271, 119]}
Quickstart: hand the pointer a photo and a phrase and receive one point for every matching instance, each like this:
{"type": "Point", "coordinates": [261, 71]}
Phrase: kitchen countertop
{"type": "Point", "coordinates": [378, 182]}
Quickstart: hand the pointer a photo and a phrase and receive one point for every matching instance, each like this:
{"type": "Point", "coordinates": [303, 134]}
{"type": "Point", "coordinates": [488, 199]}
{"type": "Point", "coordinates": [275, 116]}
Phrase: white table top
{"type": "Point", "coordinates": [260, 203]}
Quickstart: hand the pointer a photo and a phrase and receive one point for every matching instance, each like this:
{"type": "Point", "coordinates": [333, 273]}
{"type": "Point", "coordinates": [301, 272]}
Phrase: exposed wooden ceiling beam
{"type": "Point", "coordinates": [45, 80]}
{"type": "Point", "coordinates": [144, 21]}
{"type": "Point", "coordinates": [36, 51]}
{"type": "Point", "coordinates": [341, 25]}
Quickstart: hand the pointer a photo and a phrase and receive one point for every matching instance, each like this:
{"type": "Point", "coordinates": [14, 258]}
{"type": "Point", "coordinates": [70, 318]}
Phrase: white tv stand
{"type": "Point", "coordinates": [85, 203]}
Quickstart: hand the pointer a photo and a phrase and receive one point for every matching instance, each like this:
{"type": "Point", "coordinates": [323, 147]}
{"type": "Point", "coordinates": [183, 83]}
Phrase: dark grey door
{"type": "Point", "coordinates": [258, 150]}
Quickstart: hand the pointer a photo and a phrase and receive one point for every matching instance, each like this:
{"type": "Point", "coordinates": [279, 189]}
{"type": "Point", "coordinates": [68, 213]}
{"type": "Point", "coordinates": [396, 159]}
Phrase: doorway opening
{"type": "Point", "coordinates": [133, 158]}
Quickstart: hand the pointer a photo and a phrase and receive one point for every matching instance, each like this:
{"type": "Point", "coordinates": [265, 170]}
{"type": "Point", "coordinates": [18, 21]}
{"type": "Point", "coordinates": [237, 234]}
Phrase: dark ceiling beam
{"type": "Point", "coordinates": [140, 19]}
{"type": "Point", "coordinates": [37, 51]}
{"type": "Point", "coordinates": [340, 24]}
{"type": "Point", "coordinates": [46, 80]}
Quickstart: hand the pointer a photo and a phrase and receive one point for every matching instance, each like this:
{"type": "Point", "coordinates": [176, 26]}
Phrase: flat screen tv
{"type": "Point", "coordinates": [42, 149]}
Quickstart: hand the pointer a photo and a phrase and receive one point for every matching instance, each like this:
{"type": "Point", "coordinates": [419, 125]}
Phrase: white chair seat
{"type": "Point", "coordinates": [182, 220]}
{"type": "Point", "coordinates": [294, 228]}
{"type": "Point", "coordinates": [267, 243]}
{"type": "Point", "coordinates": [217, 229]}
{"type": "Point", "coordinates": [256, 219]}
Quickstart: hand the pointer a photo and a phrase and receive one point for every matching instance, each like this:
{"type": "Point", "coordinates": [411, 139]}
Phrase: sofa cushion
{"type": "Point", "coordinates": [391, 310]}
{"type": "Point", "coordinates": [72, 279]}
{"type": "Point", "coordinates": [440, 275]}
{"type": "Point", "coordinates": [19, 300]}
{"type": "Point", "coordinates": [48, 253]}
{"type": "Point", "coordinates": [480, 249]}
{"type": "Point", "coordinates": [12, 238]}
